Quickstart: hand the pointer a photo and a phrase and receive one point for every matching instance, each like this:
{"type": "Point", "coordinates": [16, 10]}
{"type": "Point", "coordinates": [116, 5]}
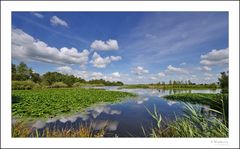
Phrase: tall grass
{"type": "Point", "coordinates": [217, 102]}
{"type": "Point", "coordinates": [19, 129]}
{"type": "Point", "coordinates": [193, 124]}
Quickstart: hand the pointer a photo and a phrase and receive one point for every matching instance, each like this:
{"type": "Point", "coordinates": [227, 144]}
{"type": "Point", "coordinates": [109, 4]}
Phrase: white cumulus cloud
{"type": "Point", "coordinates": [139, 70]}
{"type": "Point", "coordinates": [39, 15]}
{"type": "Point", "coordinates": [68, 70]}
{"type": "Point", "coordinates": [161, 74]}
{"type": "Point", "coordinates": [116, 74]}
{"type": "Point", "coordinates": [215, 57]}
{"type": "Point", "coordinates": [153, 78]}
{"type": "Point", "coordinates": [208, 74]}
{"type": "Point", "coordinates": [97, 75]}
{"type": "Point", "coordinates": [25, 47]}
{"type": "Point", "coordinates": [115, 58]}
{"type": "Point", "coordinates": [57, 21]}
{"type": "Point", "coordinates": [205, 68]}
{"type": "Point", "coordinates": [183, 63]}
{"type": "Point", "coordinates": [101, 62]}
{"type": "Point", "coordinates": [105, 45]}
{"type": "Point", "coordinates": [173, 69]}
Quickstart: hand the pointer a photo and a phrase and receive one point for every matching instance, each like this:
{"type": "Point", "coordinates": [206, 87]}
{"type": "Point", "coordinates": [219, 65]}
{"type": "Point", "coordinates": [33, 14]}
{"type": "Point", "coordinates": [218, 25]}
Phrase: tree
{"type": "Point", "coordinates": [35, 77]}
{"type": "Point", "coordinates": [69, 79]}
{"type": "Point", "coordinates": [52, 77]}
{"type": "Point", "coordinates": [22, 68]}
{"type": "Point", "coordinates": [119, 83]}
{"type": "Point", "coordinates": [14, 70]}
{"type": "Point", "coordinates": [213, 85]}
{"type": "Point", "coordinates": [223, 81]}
{"type": "Point", "coordinates": [20, 72]}
{"type": "Point", "coordinates": [189, 82]}
{"type": "Point", "coordinates": [174, 82]}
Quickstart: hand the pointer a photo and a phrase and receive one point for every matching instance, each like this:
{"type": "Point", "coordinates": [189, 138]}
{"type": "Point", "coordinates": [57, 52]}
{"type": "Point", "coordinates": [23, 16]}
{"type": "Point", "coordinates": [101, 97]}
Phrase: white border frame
{"type": "Point", "coordinates": [9, 6]}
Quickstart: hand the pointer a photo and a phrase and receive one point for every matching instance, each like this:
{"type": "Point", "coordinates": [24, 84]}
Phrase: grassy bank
{"type": "Point", "coordinates": [44, 103]}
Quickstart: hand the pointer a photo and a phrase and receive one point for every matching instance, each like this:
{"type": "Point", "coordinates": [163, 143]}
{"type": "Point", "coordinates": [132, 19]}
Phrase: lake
{"type": "Point", "coordinates": [127, 118]}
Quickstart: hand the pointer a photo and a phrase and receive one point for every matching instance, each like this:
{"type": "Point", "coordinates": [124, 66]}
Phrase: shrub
{"type": "Point", "coordinates": [37, 86]}
{"type": "Point", "coordinates": [23, 85]}
{"type": "Point", "coordinates": [58, 85]}
{"type": "Point", "coordinates": [78, 84]}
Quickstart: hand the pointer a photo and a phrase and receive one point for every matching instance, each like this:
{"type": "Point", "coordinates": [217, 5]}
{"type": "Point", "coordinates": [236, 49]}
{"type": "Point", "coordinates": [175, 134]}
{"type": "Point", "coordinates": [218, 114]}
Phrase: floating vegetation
{"type": "Point", "coordinates": [47, 103]}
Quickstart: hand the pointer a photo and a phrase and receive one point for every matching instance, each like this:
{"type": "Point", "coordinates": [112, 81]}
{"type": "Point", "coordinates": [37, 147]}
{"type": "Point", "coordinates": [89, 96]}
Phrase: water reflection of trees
{"type": "Point", "coordinates": [177, 91]}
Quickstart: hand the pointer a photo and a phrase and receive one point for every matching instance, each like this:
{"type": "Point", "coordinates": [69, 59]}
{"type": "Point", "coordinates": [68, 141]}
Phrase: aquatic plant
{"type": "Point", "coordinates": [44, 103]}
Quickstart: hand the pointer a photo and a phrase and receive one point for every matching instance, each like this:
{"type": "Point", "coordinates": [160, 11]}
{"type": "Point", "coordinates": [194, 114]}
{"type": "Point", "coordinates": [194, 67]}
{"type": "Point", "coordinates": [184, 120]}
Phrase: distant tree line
{"type": "Point", "coordinates": [185, 84]}
{"type": "Point", "coordinates": [26, 75]}
{"type": "Point", "coordinates": [223, 83]}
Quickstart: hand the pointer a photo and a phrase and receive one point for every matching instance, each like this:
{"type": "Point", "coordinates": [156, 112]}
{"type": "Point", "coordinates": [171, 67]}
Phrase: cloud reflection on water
{"type": "Point", "coordinates": [103, 124]}
{"type": "Point", "coordinates": [96, 111]}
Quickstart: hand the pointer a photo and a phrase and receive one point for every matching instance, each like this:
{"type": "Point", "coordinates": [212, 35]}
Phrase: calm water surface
{"type": "Point", "coordinates": [125, 119]}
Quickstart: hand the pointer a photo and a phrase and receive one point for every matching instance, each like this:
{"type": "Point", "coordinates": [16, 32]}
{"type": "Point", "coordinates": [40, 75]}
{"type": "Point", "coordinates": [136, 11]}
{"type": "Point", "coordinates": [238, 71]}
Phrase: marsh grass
{"type": "Point", "coordinates": [19, 129]}
{"type": "Point", "coordinates": [218, 102]}
{"type": "Point", "coordinates": [193, 124]}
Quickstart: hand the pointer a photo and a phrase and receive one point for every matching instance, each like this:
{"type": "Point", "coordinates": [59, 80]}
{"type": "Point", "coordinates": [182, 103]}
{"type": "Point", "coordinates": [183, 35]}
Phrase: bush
{"type": "Point", "coordinates": [58, 85]}
{"type": "Point", "coordinates": [44, 84]}
{"type": "Point", "coordinates": [78, 84]}
{"type": "Point", "coordinates": [23, 85]}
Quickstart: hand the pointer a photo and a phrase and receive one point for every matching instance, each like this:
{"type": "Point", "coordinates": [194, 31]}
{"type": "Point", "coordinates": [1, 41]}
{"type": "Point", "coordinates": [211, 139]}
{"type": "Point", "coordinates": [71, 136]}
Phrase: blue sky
{"type": "Point", "coordinates": [133, 47]}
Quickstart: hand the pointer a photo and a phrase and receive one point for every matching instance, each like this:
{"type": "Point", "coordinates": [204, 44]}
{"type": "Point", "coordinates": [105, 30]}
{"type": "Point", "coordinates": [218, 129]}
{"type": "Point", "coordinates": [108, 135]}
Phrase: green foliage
{"type": "Point", "coordinates": [20, 72]}
{"type": "Point", "coordinates": [79, 84]}
{"type": "Point", "coordinates": [54, 102]}
{"type": "Point", "coordinates": [35, 77]}
{"type": "Point", "coordinates": [59, 85]}
{"type": "Point", "coordinates": [14, 69]}
{"type": "Point", "coordinates": [23, 85]}
{"type": "Point", "coordinates": [52, 77]}
{"type": "Point", "coordinates": [69, 79]}
{"type": "Point", "coordinates": [106, 83]}
{"type": "Point", "coordinates": [23, 73]}
{"type": "Point", "coordinates": [223, 80]}
{"type": "Point", "coordinates": [22, 68]}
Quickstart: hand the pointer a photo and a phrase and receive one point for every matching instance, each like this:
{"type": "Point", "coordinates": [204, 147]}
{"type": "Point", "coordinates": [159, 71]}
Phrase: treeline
{"type": "Point", "coordinates": [173, 84]}
{"type": "Point", "coordinates": [24, 77]}
{"type": "Point", "coordinates": [185, 84]}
